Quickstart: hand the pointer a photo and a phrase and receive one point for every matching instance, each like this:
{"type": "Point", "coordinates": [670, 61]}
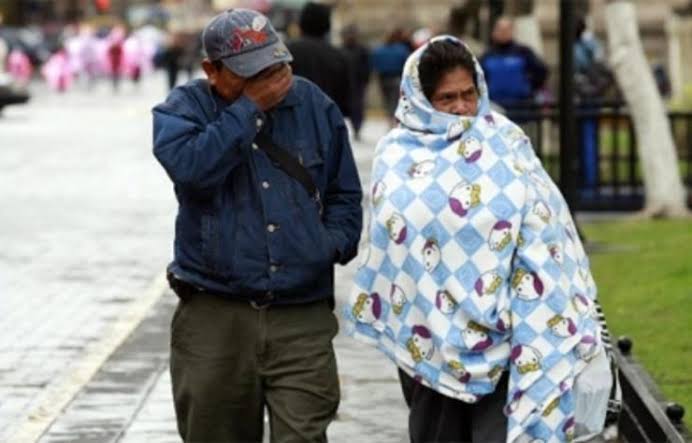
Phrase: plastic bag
{"type": "Point", "coordinates": [592, 389]}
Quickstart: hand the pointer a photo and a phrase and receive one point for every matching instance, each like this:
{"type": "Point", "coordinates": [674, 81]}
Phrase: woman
{"type": "Point", "coordinates": [475, 283]}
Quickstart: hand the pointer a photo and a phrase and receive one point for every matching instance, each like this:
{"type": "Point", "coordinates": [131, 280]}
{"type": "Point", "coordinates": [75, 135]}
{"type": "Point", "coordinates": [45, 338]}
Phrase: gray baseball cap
{"type": "Point", "coordinates": [245, 41]}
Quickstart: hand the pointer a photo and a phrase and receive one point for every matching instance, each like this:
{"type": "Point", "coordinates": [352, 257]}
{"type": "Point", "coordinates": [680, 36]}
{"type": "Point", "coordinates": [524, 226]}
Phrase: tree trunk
{"type": "Point", "coordinates": [664, 191]}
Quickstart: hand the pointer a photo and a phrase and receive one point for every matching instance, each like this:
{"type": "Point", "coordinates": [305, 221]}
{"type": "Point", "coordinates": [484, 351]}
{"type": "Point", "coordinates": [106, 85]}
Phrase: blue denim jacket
{"type": "Point", "coordinates": [243, 225]}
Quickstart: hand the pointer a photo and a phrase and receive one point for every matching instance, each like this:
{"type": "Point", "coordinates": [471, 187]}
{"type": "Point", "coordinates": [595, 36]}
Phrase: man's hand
{"type": "Point", "coordinates": [269, 87]}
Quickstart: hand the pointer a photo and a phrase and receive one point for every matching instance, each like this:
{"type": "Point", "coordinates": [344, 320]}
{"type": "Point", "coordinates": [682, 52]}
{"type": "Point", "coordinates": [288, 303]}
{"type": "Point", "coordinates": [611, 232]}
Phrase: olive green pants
{"type": "Point", "coordinates": [229, 361]}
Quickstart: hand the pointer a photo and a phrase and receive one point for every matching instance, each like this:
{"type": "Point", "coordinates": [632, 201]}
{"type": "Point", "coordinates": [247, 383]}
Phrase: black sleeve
{"type": "Point", "coordinates": [537, 69]}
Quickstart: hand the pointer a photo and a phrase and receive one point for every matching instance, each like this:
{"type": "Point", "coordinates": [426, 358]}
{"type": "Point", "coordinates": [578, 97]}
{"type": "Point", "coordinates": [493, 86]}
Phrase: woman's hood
{"type": "Point", "coordinates": [415, 111]}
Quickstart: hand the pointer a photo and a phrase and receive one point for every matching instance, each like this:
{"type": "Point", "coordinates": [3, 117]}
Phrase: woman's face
{"type": "Point", "coordinates": [456, 93]}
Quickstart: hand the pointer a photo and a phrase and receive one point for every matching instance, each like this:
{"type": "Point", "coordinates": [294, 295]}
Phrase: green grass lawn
{"type": "Point", "coordinates": [643, 270]}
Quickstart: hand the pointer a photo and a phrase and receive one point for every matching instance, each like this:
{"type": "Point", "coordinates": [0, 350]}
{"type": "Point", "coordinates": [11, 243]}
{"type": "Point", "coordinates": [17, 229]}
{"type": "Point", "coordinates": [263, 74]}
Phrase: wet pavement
{"type": "Point", "coordinates": [86, 231]}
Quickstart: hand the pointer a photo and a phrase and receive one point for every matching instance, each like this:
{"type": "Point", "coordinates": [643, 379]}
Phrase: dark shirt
{"type": "Point", "coordinates": [388, 60]}
{"type": "Point", "coordinates": [326, 66]}
{"type": "Point", "coordinates": [359, 59]}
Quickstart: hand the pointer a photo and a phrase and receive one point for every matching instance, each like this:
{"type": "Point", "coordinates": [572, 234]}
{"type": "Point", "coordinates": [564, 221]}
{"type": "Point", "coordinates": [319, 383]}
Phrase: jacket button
{"type": "Point", "coordinates": [265, 184]}
{"type": "Point", "coordinates": [254, 146]}
{"type": "Point", "coordinates": [273, 268]}
{"type": "Point", "coordinates": [259, 123]}
{"type": "Point", "coordinates": [272, 227]}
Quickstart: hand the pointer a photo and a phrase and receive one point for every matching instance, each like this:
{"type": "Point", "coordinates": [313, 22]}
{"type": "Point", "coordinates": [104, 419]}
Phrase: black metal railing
{"type": "Point", "coordinates": [610, 175]}
{"type": "Point", "coordinates": [646, 415]}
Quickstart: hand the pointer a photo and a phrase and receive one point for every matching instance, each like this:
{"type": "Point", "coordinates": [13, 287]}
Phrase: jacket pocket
{"type": "Point", "coordinates": [312, 160]}
{"type": "Point", "coordinates": [307, 239]}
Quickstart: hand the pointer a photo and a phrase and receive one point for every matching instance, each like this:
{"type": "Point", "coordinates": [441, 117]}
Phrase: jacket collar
{"type": "Point", "coordinates": [290, 100]}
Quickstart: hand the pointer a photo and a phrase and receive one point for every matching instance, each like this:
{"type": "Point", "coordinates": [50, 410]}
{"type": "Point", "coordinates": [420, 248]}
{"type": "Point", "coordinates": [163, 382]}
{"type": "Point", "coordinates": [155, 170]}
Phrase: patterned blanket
{"type": "Point", "coordinates": [473, 265]}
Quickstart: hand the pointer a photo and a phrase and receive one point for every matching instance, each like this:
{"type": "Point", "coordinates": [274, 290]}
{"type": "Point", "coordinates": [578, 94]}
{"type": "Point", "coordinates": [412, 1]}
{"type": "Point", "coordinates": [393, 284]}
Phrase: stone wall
{"type": "Point", "coordinates": [377, 17]}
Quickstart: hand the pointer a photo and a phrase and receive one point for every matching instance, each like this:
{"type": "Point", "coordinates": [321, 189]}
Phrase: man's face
{"type": "Point", "coordinates": [227, 84]}
{"type": "Point", "coordinates": [502, 31]}
{"type": "Point", "coordinates": [456, 93]}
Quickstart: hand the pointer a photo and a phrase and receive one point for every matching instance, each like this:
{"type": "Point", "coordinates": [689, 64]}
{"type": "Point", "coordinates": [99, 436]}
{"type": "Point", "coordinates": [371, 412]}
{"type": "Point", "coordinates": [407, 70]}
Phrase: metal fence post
{"type": "Point", "coordinates": [568, 164]}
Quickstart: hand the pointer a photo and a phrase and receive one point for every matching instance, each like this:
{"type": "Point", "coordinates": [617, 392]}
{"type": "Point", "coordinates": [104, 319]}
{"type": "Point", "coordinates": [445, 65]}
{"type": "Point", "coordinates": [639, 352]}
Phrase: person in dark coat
{"type": "Point", "coordinates": [359, 58]}
{"type": "Point", "coordinates": [513, 71]}
{"type": "Point", "coordinates": [171, 58]}
{"type": "Point", "coordinates": [317, 60]}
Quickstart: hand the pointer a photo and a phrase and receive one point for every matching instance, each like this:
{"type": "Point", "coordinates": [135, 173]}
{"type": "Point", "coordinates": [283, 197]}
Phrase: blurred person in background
{"type": "Point", "coordinates": [388, 62]}
{"type": "Point", "coordinates": [592, 77]}
{"type": "Point", "coordinates": [268, 201]}
{"type": "Point", "coordinates": [192, 55]}
{"type": "Point", "coordinates": [592, 82]}
{"type": "Point", "coordinates": [135, 57]}
{"type": "Point", "coordinates": [171, 56]}
{"type": "Point", "coordinates": [4, 51]}
{"type": "Point", "coordinates": [82, 50]}
{"type": "Point", "coordinates": [514, 73]}
{"type": "Point", "coordinates": [587, 48]}
{"type": "Point", "coordinates": [19, 67]}
{"type": "Point", "coordinates": [4, 47]}
{"type": "Point", "coordinates": [89, 55]}
{"type": "Point", "coordinates": [317, 60]}
{"type": "Point", "coordinates": [57, 71]}
{"type": "Point", "coordinates": [116, 40]}
{"type": "Point", "coordinates": [359, 60]}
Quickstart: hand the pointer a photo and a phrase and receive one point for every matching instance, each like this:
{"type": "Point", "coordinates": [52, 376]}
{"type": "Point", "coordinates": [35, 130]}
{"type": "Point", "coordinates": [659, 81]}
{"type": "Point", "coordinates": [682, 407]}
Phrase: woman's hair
{"type": "Point", "coordinates": [579, 27]}
{"type": "Point", "coordinates": [397, 35]}
{"type": "Point", "coordinates": [439, 58]}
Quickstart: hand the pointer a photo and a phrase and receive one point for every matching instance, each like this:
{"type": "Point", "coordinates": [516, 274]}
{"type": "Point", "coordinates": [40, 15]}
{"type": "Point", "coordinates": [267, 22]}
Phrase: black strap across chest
{"type": "Point", "coordinates": [287, 162]}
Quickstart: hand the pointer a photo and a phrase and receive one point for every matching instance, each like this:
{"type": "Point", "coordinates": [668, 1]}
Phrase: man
{"type": "Point", "coordinates": [513, 72]}
{"type": "Point", "coordinates": [359, 59]}
{"type": "Point", "coordinates": [254, 250]}
{"type": "Point", "coordinates": [320, 62]}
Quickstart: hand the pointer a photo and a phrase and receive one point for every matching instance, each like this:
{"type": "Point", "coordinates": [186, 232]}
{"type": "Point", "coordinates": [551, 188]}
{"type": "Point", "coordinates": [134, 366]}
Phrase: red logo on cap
{"type": "Point", "coordinates": [244, 37]}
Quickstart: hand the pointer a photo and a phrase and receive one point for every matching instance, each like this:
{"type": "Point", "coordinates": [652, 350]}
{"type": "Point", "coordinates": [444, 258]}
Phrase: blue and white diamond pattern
{"type": "Point", "coordinates": [469, 239]}
{"type": "Point", "coordinates": [501, 174]}
{"type": "Point", "coordinates": [418, 214]}
{"type": "Point", "coordinates": [427, 253]}
{"type": "Point", "coordinates": [401, 197]}
{"type": "Point", "coordinates": [434, 197]}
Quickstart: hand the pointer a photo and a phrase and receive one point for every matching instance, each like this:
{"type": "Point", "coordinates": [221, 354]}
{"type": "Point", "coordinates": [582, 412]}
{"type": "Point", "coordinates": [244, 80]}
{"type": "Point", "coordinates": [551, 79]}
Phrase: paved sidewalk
{"type": "Point", "coordinates": [86, 226]}
{"type": "Point", "coordinates": [129, 400]}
